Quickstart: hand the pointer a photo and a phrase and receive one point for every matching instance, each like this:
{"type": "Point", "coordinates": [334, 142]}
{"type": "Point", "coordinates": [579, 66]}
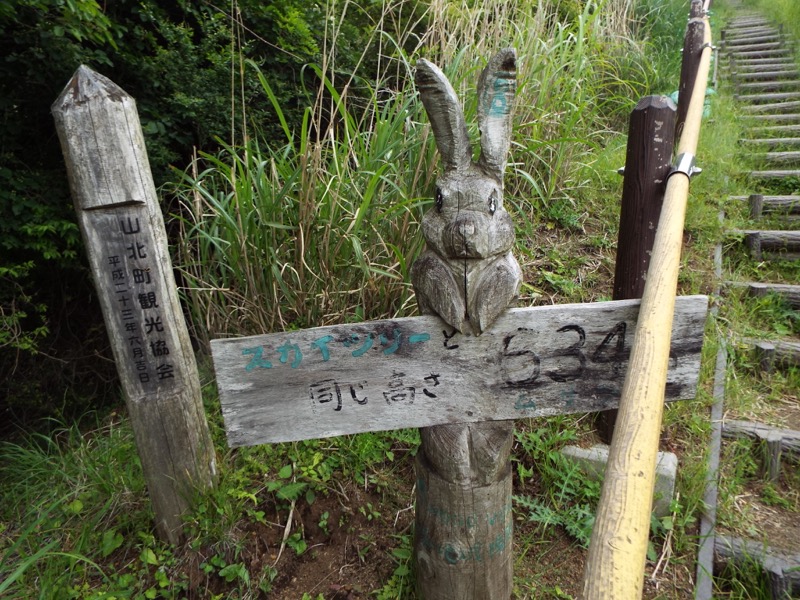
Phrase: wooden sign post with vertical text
{"type": "Point", "coordinates": [123, 231]}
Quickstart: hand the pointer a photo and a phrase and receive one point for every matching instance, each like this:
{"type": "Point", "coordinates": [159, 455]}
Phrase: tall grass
{"type": "Point", "coordinates": [784, 12]}
{"type": "Point", "coordinates": [322, 226]}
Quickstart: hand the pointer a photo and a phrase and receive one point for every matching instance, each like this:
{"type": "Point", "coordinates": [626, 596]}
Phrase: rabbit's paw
{"type": "Point", "coordinates": [492, 292]}
{"type": "Point", "coordinates": [438, 292]}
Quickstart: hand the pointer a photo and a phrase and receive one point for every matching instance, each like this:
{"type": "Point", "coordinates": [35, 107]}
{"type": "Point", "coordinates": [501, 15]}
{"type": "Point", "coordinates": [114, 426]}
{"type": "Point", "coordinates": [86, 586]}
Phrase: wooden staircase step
{"type": "Point", "coordinates": [774, 174]}
{"type": "Point", "coordinates": [760, 204]}
{"type": "Point", "coordinates": [773, 107]}
{"type": "Point", "coordinates": [788, 157]}
{"type": "Point", "coordinates": [772, 355]}
{"type": "Point", "coordinates": [771, 142]}
{"type": "Point", "coordinates": [787, 84]}
{"type": "Point", "coordinates": [790, 117]}
{"type": "Point", "coordinates": [755, 47]}
{"type": "Point", "coordinates": [767, 38]}
{"type": "Point", "coordinates": [790, 293]}
{"type": "Point", "coordinates": [774, 442]}
{"type": "Point", "coordinates": [753, 62]}
{"type": "Point", "coordinates": [772, 244]}
{"type": "Point", "coordinates": [782, 570]}
{"type": "Point", "coordinates": [729, 33]}
{"type": "Point", "coordinates": [781, 52]}
{"type": "Point", "coordinates": [767, 75]}
{"type": "Point", "coordinates": [775, 129]}
{"type": "Point", "coordinates": [741, 67]}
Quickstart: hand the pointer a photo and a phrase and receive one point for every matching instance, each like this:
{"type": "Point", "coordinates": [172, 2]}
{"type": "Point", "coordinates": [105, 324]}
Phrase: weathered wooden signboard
{"type": "Point", "coordinates": [417, 372]}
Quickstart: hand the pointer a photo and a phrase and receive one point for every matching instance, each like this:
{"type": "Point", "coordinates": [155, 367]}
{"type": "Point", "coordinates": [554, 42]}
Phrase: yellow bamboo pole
{"type": "Point", "coordinates": [618, 548]}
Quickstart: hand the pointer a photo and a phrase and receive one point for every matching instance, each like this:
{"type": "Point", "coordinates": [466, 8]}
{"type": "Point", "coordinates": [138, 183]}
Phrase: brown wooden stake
{"type": "Point", "coordinates": [123, 230]}
{"type": "Point", "coordinates": [618, 549]}
{"type": "Point", "coordinates": [690, 62]}
{"type": "Point", "coordinates": [648, 161]}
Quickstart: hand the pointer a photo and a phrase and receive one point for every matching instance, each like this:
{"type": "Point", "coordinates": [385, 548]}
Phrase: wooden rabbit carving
{"type": "Point", "coordinates": [468, 277]}
{"type": "Point", "coordinates": [467, 274]}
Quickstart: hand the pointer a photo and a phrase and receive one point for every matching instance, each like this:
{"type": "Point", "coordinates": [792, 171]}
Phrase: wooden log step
{"type": "Point", "coordinates": [789, 438]}
{"type": "Point", "coordinates": [766, 97]}
{"type": "Point", "coordinates": [772, 64]}
{"type": "Point", "coordinates": [771, 142]}
{"type": "Point", "coordinates": [768, 75]}
{"type": "Point", "coordinates": [780, 60]}
{"type": "Point", "coordinates": [778, 158]}
{"type": "Point", "coordinates": [790, 117]}
{"type": "Point", "coordinates": [772, 355]}
{"type": "Point", "coordinates": [787, 84]}
{"type": "Point", "coordinates": [774, 442]}
{"type": "Point", "coordinates": [760, 204]}
{"type": "Point", "coordinates": [731, 37]}
{"type": "Point", "coordinates": [757, 39]}
{"type": "Point", "coordinates": [775, 129]}
{"type": "Point", "coordinates": [772, 243]}
{"type": "Point", "coordinates": [774, 174]}
{"type": "Point", "coordinates": [737, 70]}
{"type": "Point", "coordinates": [756, 63]}
{"type": "Point", "coordinates": [782, 569]}
{"type": "Point", "coordinates": [790, 293]}
{"type": "Point", "coordinates": [779, 52]}
{"type": "Point", "coordinates": [756, 50]}
{"type": "Point", "coordinates": [748, 19]}
{"type": "Point", "coordinates": [733, 31]}
{"type": "Point", "coordinates": [773, 107]}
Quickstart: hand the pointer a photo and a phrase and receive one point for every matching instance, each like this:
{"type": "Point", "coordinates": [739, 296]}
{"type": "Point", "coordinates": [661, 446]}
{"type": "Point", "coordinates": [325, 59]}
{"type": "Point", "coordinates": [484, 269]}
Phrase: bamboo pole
{"type": "Point", "coordinates": [618, 549]}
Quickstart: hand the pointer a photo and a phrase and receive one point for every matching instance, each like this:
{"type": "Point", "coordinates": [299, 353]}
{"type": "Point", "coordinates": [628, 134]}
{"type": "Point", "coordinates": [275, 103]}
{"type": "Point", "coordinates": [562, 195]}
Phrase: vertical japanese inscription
{"type": "Point", "coordinates": [138, 299]}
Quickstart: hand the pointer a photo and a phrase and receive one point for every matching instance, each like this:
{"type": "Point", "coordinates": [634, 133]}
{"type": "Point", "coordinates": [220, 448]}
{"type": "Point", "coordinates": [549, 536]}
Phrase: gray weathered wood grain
{"type": "Point", "coordinates": [467, 274]}
{"type": "Point", "coordinates": [782, 569]}
{"type": "Point", "coordinates": [417, 371]}
{"type": "Point", "coordinates": [123, 231]}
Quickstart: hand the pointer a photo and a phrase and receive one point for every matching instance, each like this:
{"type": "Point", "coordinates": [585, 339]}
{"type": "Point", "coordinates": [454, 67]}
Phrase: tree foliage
{"type": "Point", "coordinates": [183, 61]}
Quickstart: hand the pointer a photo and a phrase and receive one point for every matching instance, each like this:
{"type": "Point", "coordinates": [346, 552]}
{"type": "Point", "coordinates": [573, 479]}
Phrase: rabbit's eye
{"type": "Point", "coordinates": [439, 200]}
{"type": "Point", "coordinates": [493, 202]}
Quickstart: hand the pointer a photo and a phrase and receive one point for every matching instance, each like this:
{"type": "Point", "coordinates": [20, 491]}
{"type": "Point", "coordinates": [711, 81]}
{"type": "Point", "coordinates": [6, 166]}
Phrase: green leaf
{"type": "Point", "coordinates": [149, 557]}
{"type": "Point", "coordinates": [285, 472]}
{"type": "Point", "coordinates": [291, 491]}
{"type": "Point", "coordinates": [233, 572]}
{"type": "Point", "coordinates": [111, 541]}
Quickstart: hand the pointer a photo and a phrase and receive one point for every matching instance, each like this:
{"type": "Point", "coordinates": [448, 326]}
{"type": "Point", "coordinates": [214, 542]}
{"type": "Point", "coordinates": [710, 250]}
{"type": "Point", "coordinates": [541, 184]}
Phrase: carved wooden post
{"type": "Point", "coordinates": [467, 276]}
{"type": "Point", "coordinates": [648, 161]}
{"type": "Point", "coordinates": [690, 63]}
{"type": "Point", "coordinates": [126, 242]}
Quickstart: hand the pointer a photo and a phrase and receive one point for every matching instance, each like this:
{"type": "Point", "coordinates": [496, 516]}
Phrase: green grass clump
{"type": "Point", "coordinates": [322, 226]}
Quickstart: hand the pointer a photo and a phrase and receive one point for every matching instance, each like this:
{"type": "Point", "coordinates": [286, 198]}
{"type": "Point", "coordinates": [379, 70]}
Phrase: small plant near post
{"type": "Point", "coordinates": [123, 230]}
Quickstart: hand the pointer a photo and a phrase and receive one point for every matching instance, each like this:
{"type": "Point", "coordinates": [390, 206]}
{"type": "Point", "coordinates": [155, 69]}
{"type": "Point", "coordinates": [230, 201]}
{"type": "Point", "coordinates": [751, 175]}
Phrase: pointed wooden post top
{"type": "Point", "coordinates": [87, 85]}
{"type": "Point", "coordinates": [102, 138]}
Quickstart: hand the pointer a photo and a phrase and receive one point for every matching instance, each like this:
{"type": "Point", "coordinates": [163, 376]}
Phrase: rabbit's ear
{"type": "Point", "coordinates": [445, 115]}
{"type": "Point", "coordinates": [496, 89]}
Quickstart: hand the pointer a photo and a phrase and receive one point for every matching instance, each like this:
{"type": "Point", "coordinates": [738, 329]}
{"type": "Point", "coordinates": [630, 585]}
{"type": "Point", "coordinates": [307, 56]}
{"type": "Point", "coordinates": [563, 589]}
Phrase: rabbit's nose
{"type": "Point", "coordinates": [466, 229]}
